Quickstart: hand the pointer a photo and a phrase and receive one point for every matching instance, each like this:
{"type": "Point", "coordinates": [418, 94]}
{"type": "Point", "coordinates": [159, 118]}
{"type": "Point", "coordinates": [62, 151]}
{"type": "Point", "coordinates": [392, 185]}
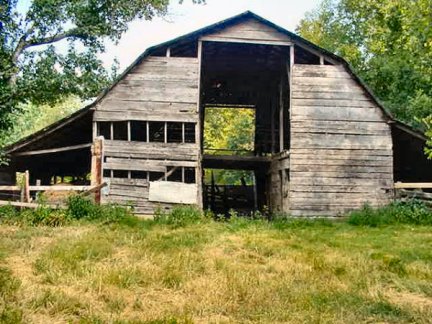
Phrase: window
{"type": "Point", "coordinates": [120, 130]}
{"type": "Point", "coordinates": [156, 176]}
{"type": "Point", "coordinates": [138, 131]}
{"type": "Point", "coordinates": [189, 132]}
{"type": "Point", "coordinates": [157, 132]}
{"type": "Point", "coordinates": [174, 132]}
{"type": "Point", "coordinates": [104, 129]}
{"type": "Point", "coordinates": [139, 174]}
{"type": "Point", "coordinates": [176, 174]}
{"type": "Point", "coordinates": [106, 173]}
{"type": "Point", "coordinates": [189, 175]}
{"type": "Point", "coordinates": [120, 174]}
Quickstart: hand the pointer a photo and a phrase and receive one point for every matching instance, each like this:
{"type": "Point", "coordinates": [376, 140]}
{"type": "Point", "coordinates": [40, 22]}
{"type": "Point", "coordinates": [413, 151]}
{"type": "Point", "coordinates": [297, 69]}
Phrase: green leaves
{"type": "Point", "coordinates": [33, 69]}
{"type": "Point", "coordinates": [388, 42]}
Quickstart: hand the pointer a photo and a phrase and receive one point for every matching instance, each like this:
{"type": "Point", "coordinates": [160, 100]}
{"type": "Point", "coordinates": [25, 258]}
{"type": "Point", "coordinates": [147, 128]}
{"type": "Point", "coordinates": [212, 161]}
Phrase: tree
{"type": "Point", "coordinates": [35, 117]}
{"type": "Point", "coordinates": [388, 43]}
{"type": "Point", "coordinates": [33, 70]}
{"type": "Point", "coordinates": [229, 131]}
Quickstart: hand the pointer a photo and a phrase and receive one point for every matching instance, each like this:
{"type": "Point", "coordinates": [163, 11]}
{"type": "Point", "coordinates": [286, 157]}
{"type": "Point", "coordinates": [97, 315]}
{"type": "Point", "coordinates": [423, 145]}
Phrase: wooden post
{"type": "Point", "coordinates": [281, 117]}
{"type": "Point", "coordinates": [96, 166]}
{"type": "Point", "coordinates": [292, 56]}
{"type": "Point", "coordinates": [26, 187]}
{"type": "Point", "coordinates": [199, 174]}
{"type": "Point", "coordinates": [272, 128]}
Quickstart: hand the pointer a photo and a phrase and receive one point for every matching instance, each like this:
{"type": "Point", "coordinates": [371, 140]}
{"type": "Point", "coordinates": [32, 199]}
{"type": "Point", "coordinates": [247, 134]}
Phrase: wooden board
{"type": "Point", "coordinates": [173, 192]}
{"type": "Point", "coordinates": [341, 147]}
{"type": "Point", "coordinates": [250, 30]}
{"type": "Point", "coordinates": [152, 150]}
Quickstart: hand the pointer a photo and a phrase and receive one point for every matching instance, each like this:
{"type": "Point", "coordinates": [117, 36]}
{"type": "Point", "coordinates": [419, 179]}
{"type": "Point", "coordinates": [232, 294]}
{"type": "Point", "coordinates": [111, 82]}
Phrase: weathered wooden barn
{"type": "Point", "coordinates": [323, 144]}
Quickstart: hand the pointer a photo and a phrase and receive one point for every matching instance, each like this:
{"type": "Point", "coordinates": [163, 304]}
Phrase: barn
{"type": "Point", "coordinates": [323, 144]}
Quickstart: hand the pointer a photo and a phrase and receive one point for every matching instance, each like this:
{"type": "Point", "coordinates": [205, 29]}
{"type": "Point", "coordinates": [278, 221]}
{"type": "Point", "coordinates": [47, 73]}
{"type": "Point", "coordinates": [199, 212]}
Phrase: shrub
{"type": "Point", "coordinates": [8, 214]}
{"type": "Point", "coordinates": [83, 208]}
{"type": "Point", "coordinates": [79, 207]}
{"type": "Point", "coordinates": [398, 212]}
{"type": "Point", "coordinates": [179, 216]}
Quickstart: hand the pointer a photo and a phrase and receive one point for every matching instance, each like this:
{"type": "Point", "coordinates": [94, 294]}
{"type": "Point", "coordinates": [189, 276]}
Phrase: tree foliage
{"type": "Point", "coordinates": [388, 43]}
{"type": "Point", "coordinates": [34, 117]}
{"type": "Point", "coordinates": [229, 131]}
{"type": "Point", "coordinates": [34, 70]}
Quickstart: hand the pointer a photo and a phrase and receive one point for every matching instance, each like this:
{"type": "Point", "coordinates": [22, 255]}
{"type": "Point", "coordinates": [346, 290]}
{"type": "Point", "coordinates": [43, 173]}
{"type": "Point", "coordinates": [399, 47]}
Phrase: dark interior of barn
{"type": "Point", "coordinates": [244, 76]}
{"type": "Point", "coordinates": [58, 152]}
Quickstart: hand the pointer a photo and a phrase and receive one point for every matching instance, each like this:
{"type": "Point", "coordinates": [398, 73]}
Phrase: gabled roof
{"type": "Point", "coordinates": [194, 36]}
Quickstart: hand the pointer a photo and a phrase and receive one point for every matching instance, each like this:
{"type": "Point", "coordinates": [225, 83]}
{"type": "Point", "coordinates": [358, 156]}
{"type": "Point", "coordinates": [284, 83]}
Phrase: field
{"type": "Point", "coordinates": [238, 271]}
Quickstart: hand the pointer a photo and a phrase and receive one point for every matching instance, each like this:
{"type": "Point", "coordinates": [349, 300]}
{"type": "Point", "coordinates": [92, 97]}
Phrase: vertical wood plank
{"type": "Point", "coordinates": [95, 130]}
{"type": "Point", "coordinates": [129, 130]}
{"type": "Point", "coordinates": [292, 54]}
{"type": "Point", "coordinates": [165, 132]}
{"type": "Point", "coordinates": [183, 132]}
{"type": "Point", "coordinates": [198, 127]}
{"type": "Point", "coordinates": [147, 132]}
{"type": "Point", "coordinates": [272, 128]}
{"type": "Point", "coordinates": [321, 60]}
{"type": "Point", "coordinates": [168, 52]}
{"type": "Point", "coordinates": [281, 117]}
{"type": "Point", "coordinates": [97, 166]}
{"type": "Point", "coordinates": [26, 187]}
{"type": "Point", "coordinates": [111, 131]}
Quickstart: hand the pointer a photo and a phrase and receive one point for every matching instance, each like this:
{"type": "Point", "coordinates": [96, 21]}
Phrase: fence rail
{"type": "Point", "coordinates": [25, 199]}
{"type": "Point", "coordinates": [413, 185]}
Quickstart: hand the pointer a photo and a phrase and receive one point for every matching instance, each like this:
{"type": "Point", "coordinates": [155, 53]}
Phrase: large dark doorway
{"type": "Point", "coordinates": [248, 83]}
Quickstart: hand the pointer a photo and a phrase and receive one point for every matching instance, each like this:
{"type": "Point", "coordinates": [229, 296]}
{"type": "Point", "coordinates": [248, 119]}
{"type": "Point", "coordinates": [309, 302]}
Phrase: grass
{"type": "Point", "coordinates": [172, 271]}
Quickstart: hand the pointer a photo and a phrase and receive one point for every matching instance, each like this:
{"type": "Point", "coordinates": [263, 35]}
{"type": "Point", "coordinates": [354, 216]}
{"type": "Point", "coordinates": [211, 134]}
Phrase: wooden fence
{"type": "Point", "coordinates": [25, 192]}
{"type": "Point", "coordinates": [414, 190]}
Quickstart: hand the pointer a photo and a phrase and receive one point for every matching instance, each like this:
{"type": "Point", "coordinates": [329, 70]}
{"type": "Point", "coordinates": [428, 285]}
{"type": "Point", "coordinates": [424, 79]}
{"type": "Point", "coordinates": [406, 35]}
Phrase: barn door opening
{"type": "Point", "coordinates": [245, 113]}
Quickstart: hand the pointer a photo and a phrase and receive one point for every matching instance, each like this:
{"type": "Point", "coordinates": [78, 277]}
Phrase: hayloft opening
{"type": "Point", "coordinates": [245, 109]}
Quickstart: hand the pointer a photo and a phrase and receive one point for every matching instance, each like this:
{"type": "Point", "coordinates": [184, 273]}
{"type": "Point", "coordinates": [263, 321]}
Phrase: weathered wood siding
{"type": "Point", "coordinates": [158, 89]}
{"type": "Point", "coordinates": [341, 146]}
{"type": "Point", "coordinates": [163, 89]}
{"type": "Point", "coordinates": [250, 30]}
{"type": "Point", "coordinates": [279, 183]}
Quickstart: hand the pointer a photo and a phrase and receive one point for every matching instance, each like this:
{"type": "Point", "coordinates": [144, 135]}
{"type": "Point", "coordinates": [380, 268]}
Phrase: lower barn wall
{"type": "Point", "coordinates": [132, 192]}
{"type": "Point", "coordinates": [147, 157]}
{"type": "Point", "coordinates": [341, 145]}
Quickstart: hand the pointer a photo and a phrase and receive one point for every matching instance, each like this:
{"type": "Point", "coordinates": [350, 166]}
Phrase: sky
{"type": "Point", "coordinates": [187, 17]}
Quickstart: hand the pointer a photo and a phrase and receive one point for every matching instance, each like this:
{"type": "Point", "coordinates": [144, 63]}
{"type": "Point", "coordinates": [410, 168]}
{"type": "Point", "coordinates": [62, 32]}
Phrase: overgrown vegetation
{"type": "Point", "coordinates": [78, 208]}
{"type": "Point", "coordinates": [104, 265]}
{"type": "Point", "coordinates": [399, 212]}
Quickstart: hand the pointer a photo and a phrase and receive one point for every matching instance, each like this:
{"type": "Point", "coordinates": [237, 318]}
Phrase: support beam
{"type": "Point", "coordinates": [97, 166]}
{"type": "Point", "coordinates": [292, 54]}
{"type": "Point", "coordinates": [54, 150]}
{"type": "Point", "coordinates": [281, 117]}
{"type": "Point", "coordinates": [198, 129]}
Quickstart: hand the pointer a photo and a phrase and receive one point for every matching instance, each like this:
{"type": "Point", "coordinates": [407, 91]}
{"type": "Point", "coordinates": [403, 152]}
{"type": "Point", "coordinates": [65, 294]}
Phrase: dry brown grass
{"type": "Point", "coordinates": [219, 273]}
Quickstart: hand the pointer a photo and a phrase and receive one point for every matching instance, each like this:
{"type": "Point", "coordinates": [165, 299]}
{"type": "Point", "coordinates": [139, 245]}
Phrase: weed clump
{"type": "Point", "coordinates": [399, 212]}
{"type": "Point", "coordinates": [180, 216]}
{"type": "Point", "coordinates": [77, 208]}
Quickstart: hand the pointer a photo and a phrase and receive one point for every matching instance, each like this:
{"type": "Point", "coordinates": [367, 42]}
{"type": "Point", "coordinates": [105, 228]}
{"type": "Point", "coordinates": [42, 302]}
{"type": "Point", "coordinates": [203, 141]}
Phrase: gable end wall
{"type": "Point", "coordinates": [341, 146]}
